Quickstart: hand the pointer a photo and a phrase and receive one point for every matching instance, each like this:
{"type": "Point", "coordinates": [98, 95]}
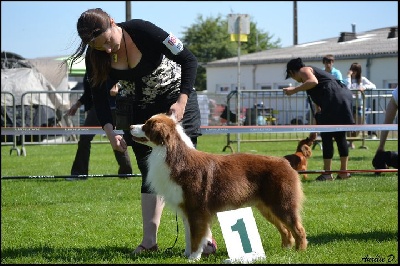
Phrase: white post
{"type": "Point", "coordinates": [238, 87]}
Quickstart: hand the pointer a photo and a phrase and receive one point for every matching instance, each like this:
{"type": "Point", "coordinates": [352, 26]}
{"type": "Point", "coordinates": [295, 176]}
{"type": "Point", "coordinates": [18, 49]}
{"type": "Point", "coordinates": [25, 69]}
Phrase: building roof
{"type": "Point", "coordinates": [381, 42]}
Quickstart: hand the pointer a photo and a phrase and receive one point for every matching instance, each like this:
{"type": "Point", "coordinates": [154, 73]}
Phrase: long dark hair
{"type": "Point", "coordinates": [356, 67]}
{"type": "Point", "coordinates": [91, 24]}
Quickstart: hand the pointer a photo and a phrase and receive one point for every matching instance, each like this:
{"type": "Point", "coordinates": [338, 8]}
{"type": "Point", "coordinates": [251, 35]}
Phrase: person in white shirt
{"type": "Point", "coordinates": [355, 81]}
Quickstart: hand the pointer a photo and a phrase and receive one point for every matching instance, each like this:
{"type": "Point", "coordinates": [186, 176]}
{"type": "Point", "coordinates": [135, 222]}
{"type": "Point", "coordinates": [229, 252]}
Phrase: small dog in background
{"type": "Point", "coordinates": [385, 159]}
{"type": "Point", "coordinates": [298, 160]}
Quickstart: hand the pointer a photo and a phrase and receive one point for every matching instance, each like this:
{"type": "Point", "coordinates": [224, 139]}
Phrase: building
{"type": "Point", "coordinates": [375, 50]}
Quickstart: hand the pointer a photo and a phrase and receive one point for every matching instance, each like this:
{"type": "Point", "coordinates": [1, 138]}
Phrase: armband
{"type": "Point", "coordinates": [173, 44]}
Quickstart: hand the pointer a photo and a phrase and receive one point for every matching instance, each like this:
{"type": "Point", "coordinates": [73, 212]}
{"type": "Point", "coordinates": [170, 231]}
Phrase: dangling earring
{"type": "Point", "coordinates": [115, 58]}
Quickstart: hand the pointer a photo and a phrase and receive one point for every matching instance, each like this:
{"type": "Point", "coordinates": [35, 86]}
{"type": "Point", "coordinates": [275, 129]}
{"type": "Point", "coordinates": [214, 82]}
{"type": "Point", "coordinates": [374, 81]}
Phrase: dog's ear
{"type": "Point", "coordinates": [159, 128]}
{"type": "Point", "coordinates": [306, 150]}
{"type": "Point", "coordinates": [312, 136]}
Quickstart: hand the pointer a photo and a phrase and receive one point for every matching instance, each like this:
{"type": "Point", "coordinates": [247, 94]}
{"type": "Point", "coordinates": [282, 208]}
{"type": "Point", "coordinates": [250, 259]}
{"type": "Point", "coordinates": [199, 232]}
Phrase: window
{"type": "Point", "coordinates": [223, 88]}
{"type": "Point", "coordinates": [264, 86]}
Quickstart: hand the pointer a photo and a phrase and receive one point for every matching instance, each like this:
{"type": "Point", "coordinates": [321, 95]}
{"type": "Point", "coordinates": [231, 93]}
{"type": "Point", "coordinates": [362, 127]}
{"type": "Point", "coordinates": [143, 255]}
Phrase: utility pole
{"type": "Point", "coordinates": [128, 10]}
{"type": "Point", "coordinates": [294, 22]}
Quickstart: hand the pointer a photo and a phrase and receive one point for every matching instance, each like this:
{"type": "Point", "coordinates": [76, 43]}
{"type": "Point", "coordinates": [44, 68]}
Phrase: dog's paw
{"type": "Point", "coordinates": [187, 253]}
{"type": "Point", "coordinates": [195, 256]}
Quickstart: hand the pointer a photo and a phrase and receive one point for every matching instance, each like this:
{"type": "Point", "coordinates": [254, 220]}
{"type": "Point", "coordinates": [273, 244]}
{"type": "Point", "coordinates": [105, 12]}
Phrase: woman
{"type": "Point", "coordinates": [335, 102]}
{"type": "Point", "coordinates": [355, 81]}
{"type": "Point", "coordinates": [383, 159]}
{"type": "Point", "coordinates": [156, 75]}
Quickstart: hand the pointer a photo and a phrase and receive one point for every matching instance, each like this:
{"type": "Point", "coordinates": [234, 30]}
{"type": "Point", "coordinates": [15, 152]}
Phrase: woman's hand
{"type": "Point", "coordinates": [73, 108]}
{"type": "Point", "coordinates": [349, 73]}
{"type": "Point", "coordinates": [117, 141]}
{"type": "Point", "coordinates": [178, 108]}
{"type": "Point", "coordinates": [114, 90]}
{"type": "Point", "coordinates": [289, 90]}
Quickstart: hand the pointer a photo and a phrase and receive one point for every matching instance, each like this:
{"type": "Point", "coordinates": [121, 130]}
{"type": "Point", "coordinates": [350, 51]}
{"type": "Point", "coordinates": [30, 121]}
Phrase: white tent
{"type": "Point", "coordinates": [44, 77]}
{"type": "Point", "coordinates": [20, 80]}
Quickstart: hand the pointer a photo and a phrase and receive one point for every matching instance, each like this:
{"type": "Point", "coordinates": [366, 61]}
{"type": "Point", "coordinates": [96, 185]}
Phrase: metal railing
{"type": "Point", "coordinates": [272, 107]}
{"type": "Point", "coordinates": [258, 107]}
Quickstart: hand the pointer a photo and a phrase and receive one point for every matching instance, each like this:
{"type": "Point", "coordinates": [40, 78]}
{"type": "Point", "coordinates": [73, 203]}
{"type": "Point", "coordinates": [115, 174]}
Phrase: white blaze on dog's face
{"type": "Point", "coordinates": [138, 134]}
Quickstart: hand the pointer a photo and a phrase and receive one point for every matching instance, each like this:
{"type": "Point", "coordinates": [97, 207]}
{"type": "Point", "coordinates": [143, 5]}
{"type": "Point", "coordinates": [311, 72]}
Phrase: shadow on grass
{"type": "Point", "coordinates": [87, 254]}
{"type": "Point", "coordinates": [106, 254]}
{"type": "Point", "coordinates": [334, 237]}
{"type": "Point", "coordinates": [66, 254]}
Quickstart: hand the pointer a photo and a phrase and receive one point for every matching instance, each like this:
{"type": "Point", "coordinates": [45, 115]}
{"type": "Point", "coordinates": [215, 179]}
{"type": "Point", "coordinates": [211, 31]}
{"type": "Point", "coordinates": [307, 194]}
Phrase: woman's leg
{"type": "Point", "coordinates": [152, 205]}
{"type": "Point", "coordinates": [343, 149]}
{"type": "Point", "coordinates": [327, 154]}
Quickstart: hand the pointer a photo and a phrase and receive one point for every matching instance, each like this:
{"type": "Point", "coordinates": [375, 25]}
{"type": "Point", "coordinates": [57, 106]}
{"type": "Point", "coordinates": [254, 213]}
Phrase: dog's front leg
{"type": "Point", "coordinates": [187, 236]}
{"type": "Point", "coordinates": [199, 230]}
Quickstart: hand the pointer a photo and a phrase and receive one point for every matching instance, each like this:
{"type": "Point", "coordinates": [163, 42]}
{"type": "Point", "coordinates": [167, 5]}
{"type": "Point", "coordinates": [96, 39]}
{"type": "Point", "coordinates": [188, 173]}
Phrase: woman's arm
{"type": "Point", "coordinates": [368, 85]}
{"type": "Point", "coordinates": [306, 77]}
{"type": "Point", "coordinates": [391, 111]}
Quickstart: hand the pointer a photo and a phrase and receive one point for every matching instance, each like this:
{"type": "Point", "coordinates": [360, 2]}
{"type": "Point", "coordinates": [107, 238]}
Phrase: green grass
{"type": "Point", "coordinates": [98, 221]}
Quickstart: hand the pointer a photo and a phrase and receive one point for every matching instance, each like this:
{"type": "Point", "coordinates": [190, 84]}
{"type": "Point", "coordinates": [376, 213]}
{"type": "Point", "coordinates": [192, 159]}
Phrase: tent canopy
{"type": "Point", "coordinates": [44, 78]}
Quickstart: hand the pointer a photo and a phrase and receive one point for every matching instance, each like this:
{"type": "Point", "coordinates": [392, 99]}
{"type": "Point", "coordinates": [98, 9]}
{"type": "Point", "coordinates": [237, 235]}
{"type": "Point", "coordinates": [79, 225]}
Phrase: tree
{"type": "Point", "coordinates": [209, 40]}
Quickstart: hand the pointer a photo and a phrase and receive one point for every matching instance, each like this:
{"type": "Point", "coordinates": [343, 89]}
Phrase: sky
{"type": "Point", "coordinates": [35, 29]}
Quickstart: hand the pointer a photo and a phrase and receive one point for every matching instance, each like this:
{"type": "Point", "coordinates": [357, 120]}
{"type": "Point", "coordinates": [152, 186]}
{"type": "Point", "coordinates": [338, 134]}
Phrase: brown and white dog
{"type": "Point", "coordinates": [199, 184]}
{"type": "Point", "coordinates": [298, 160]}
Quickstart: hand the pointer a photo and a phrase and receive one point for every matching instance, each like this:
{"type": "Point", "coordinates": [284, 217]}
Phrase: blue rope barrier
{"type": "Point", "coordinates": [205, 130]}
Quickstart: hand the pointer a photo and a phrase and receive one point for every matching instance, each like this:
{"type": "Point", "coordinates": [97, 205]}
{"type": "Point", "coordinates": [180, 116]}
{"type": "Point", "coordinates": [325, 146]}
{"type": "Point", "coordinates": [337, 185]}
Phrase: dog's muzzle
{"type": "Point", "coordinates": [137, 133]}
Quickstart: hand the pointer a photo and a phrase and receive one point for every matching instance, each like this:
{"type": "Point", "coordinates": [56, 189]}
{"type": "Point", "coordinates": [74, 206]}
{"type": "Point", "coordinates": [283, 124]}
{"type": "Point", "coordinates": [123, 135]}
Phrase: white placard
{"type": "Point", "coordinates": [241, 236]}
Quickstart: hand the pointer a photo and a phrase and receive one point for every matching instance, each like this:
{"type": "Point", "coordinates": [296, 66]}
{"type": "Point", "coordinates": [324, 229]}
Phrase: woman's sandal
{"type": "Point", "coordinates": [141, 249]}
{"type": "Point", "coordinates": [324, 178]}
{"type": "Point", "coordinates": [339, 177]}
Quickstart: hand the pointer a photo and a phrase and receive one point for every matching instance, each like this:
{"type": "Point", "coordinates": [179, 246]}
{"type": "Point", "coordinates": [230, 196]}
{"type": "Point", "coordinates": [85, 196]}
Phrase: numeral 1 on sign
{"type": "Point", "coordinates": [240, 227]}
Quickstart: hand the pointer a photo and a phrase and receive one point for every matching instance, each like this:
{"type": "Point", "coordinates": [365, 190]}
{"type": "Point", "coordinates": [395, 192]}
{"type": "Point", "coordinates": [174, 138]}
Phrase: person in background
{"type": "Point", "coordinates": [383, 159]}
{"type": "Point", "coordinates": [80, 165]}
{"type": "Point", "coordinates": [355, 81]}
{"type": "Point", "coordinates": [157, 73]}
{"type": "Point", "coordinates": [328, 62]}
{"type": "Point", "coordinates": [335, 103]}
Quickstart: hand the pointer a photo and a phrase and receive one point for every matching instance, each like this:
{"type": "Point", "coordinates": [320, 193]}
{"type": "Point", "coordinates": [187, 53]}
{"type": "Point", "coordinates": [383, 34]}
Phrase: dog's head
{"type": "Point", "coordinates": [307, 141]}
{"type": "Point", "coordinates": [159, 130]}
{"type": "Point", "coordinates": [306, 150]}
{"type": "Point", "coordinates": [155, 131]}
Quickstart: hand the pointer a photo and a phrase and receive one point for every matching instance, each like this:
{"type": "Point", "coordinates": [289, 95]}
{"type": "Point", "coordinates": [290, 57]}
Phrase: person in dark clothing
{"type": "Point", "coordinates": [335, 102]}
{"type": "Point", "coordinates": [80, 165]}
{"type": "Point", "coordinates": [156, 73]}
{"type": "Point", "coordinates": [385, 159]}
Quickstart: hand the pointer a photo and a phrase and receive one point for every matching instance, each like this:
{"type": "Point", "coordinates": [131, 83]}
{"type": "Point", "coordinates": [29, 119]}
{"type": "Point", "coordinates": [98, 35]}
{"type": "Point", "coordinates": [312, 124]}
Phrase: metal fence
{"type": "Point", "coordinates": [272, 107]}
{"type": "Point", "coordinates": [258, 107]}
{"type": "Point", "coordinates": [45, 114]}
